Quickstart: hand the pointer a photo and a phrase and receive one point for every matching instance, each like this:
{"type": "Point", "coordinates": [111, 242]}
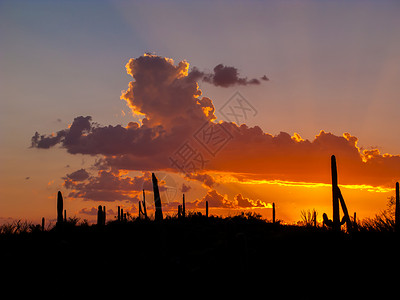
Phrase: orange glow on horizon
{"type": "Point", "coordinates": [226, 178]}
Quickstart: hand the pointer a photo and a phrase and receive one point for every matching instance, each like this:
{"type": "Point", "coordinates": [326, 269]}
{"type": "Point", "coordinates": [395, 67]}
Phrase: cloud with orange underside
{"type": "Point", "coordinates": [286, 158]}
{"type": "Point", "coordinates": [168, 97]}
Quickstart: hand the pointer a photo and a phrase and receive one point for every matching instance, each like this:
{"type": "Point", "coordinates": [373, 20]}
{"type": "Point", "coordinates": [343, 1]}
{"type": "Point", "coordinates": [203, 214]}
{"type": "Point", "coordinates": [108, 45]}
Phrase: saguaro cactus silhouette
{"type": "Point", "coordinates": [336, 197]}
{"type": "Point", "coordinates": [143, 211]}
{"type": "Point", "coordinates": [397, 210]}
{"type": "Point", "coordinates": [183, 206]}
{"type": "Point", "coordinates": [60, 204]}
{"type": "Point", "coordinates": [100, 216]}
{"type": "Point", "coordinates": [346, 216]}
{"type": "Point", "coordinates": [273, 212]}
{"type": "Point", "coordinates": [157, 200]}
{"type": "Point", "coordinates": [144, 205]}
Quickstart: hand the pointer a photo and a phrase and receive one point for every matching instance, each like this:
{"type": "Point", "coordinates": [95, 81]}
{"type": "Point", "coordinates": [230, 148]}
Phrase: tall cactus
{"type": "Point", "coordinates": [60, 203]}
{"type": "Point", "coordinates": [335, 223]}
{"type": "Point", "coordinates": [143, 211]}
{"type": "Point", "coordinates": [335, 196]}
{"type": "Point", "coordinates": [397, 211]}
{"type": "Point", "coordinates": [183, 206]}
{"type": "Point", "coordinates": [144, 205]}
{"type": "Point", "coordinates": [179, 211]}
{"type": "Point", "coordinates": [100, 216]}
{"type": "Point", "coordinates": [273, 212]}
{"type": "Point", "coordinates": [157, 199]}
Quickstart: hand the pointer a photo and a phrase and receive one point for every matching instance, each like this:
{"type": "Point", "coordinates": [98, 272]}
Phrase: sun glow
{"type": "Point", "coordinates": [227, 178]}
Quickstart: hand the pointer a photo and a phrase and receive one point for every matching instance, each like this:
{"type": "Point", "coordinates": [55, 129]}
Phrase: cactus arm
{"type": "Point", "coordinates": [346, 217]}
{"type": "Point", "coordinates": [140, 209]}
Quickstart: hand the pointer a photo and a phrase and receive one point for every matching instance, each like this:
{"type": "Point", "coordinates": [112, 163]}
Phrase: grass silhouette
{"type": "Point", "coordinates": [194, 245]}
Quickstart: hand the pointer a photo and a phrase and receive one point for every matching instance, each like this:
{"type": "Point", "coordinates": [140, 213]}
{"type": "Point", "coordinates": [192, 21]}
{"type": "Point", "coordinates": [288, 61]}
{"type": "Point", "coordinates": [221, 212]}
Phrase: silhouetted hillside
{"type": "Point", "coordinates": [197, 245]}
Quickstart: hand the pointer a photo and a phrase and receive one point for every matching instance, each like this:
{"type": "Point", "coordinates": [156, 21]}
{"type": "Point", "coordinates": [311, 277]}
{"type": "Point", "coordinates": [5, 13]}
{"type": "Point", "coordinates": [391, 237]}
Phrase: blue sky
{"type": "Point", "coordinates": [333, 65]}
{"type": "Point", "coordinates": [324, 58]}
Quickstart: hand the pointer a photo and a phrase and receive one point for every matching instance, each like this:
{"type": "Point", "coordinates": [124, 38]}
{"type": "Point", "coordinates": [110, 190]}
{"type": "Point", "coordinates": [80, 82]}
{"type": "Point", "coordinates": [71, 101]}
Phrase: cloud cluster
{"type": "Point", "coordinates": [178, 123]}
{"type": "Point", "coordinates": [107, 185]}
{"type": "Point", "coordinates": [259, 155]}
{"type": "Point", "coordinates": [243, 202]}
{"type": "Point", "coordinates": [216, 199]}
{"type": "Point", "coordinates": [224, 76]}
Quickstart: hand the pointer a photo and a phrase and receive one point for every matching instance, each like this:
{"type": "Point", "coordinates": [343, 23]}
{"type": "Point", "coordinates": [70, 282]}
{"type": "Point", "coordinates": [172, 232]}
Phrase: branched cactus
{"type": "Point", "coordinates": [337, 197]}
{"type": "Point", "coordinates": [143, 211]}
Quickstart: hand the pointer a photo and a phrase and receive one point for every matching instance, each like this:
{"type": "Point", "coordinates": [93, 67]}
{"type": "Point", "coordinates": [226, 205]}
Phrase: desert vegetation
{"type": "Point", "coordinates": [193, 242]}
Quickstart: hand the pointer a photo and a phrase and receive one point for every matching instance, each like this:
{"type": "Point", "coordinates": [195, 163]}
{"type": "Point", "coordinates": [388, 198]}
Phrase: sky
{"type": "Point", "coordinates": [238, 103]}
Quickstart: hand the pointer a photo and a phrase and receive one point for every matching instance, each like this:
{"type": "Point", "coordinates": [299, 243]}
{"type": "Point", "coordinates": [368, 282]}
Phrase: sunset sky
{"type": "Point", "coordinates": [238, 103]}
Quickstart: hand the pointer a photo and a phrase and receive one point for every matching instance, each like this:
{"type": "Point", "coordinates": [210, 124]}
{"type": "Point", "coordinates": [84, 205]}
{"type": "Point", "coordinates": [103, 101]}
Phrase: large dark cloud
{"type": "Point", "coordinates": [224, 76]}
{"type": "Point", "coordinates": [179, 124]}
{"type": "Point", "coordinates": [78, 175]}
{"type": "Point", "coordinates": [107, 185]}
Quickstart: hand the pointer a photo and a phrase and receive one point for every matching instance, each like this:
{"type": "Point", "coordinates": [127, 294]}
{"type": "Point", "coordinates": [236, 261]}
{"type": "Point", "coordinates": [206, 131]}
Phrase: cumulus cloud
{"type": "Point", "coordinates": [284, 157]}
{"type": "Point", "coordinates": [243, 202]}
{"type": "Point", "coordinates": [107, 186]}
{"type": "Point", "coordinates": [185, 188]}
{"type": "Point", "coordinates": [217, 200]}
{"type": "Point", "coordinates": [90, 212]}
{"type": "Point", "coordinates": [78, 175]}
{"type": "Point", "coordinates": [224, 76]}
{"type": "Point", "coordinates": [206, 179]}
{"type": "Point", "coordinates": [178, 133]}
